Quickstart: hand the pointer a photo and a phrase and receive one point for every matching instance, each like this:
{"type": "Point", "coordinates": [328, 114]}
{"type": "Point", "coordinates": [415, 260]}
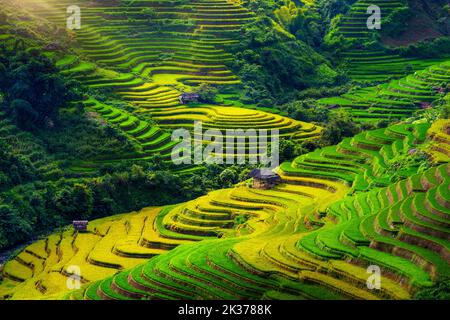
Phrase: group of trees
{"type": "Point", "coordinates": [435, 48]}
{"type": "Point", "coordinates": [32, 89]}
{"type": "Point", "coordinates": [439, 291]}
{"type": "Point", "coordinates": [306, 110]}
{"type": "Point", "coordinates": [207, 93]}
{"type": "Point", "coordinates": [305, 25]}
{"type": "Point", "coordinates": [15, 168]}
{"type": "Point", "coordinates": [289, 48]}
{"type": "Point", "coordinates": [396, 22]}
{"type": "Point", "coordinates": [274, 65]}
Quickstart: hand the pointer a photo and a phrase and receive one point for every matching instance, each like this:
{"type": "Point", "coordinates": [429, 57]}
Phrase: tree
{"type": "Point", "coordinates": [23, 113]}
{"type": "Point", "coordinates": [137, 173]}
{"type": "Point", "coordinates": [307, 111]}
{"type": "Point", "coordinates": [339, 126]}
{"type": "Point", "coordinates": [207, 92]}
{"type": "Point", "coordinates": [82, 197]}
{"type": "Point", "coordinates": [33, 89]}
{"type": "Point", "coordinates": [228, 177]}
{"type": "Point", "coordinates": [14, 168]}
{"type": "Point", "coordinates": [243, 175]}
{"type": "Point", "coordinates": [74, 202]}
{"type": "Point", "coordinates": [287, 149]}
{"type": "Point", "coordinates": [12, 226]}
{"type": "Point", "coordinates": [3, 75]}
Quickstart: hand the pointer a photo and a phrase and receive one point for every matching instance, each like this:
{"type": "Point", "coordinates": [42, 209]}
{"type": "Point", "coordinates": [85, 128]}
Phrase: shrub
{"type": "Point", "coordinates": [207, 93]}
{"type": "Point", "coordinates": [306, 110]}
{"type": "Point", "coordinates": [24, 115]}
{"type": "Point", "coordinates": [440, 291]}
{"type": "Point", "coordinates": [339, 126]}
{"type": "Point", "coordinates": [428, 49]}
{"type": "Point", "coordinates": [228, 177]}
{"type": "Point", "coordinates": [240, 219]}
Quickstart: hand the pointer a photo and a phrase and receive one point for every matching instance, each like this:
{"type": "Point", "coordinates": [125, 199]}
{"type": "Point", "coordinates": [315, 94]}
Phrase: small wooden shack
{"type": "Point", "coordinates": [438, 89]}
{"type": "Point", "coordinates": [264, 178]}
{"type": "Point", "coordinates": [425, 105]}
{"type": "Point", "coordinates": [189, 97]}
{"type": "Point", "coordinates": [54, 46]}
{"type": "Point", "coordinates": [80, 225]}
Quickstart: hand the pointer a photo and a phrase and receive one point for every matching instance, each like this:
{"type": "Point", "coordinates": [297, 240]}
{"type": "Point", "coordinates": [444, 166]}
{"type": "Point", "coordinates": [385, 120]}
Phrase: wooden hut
{"type": "Point", "coordinates": [264, 178]}
{"type": "Point", "coordinates": [80, 225]}
{"type": "Point", "coordinates": [189, 97]}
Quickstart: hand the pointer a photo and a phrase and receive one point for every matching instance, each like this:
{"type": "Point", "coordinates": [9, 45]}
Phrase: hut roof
{"type": "Point", "coordinates": [265, 174]}
{"type": "Point", "coordinates": [80, 222]}
{"type": "Point", "coordinates": [190, 95]}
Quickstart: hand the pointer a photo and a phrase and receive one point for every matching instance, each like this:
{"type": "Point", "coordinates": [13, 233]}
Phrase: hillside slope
{"type": "Point", "coordinates": [283, 244]}
{"type": "Point", "coordinates": [147, 58]}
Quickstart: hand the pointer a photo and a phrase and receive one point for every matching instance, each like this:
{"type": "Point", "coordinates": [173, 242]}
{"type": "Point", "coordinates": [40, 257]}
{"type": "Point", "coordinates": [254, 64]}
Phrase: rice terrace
{"type": "Point", "coordinates": [224, 150]}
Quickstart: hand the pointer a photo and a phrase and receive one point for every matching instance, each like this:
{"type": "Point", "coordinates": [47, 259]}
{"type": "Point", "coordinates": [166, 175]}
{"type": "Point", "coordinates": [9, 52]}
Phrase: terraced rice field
{"type": "Point", "coordinates": [354, 23]}
{"type": "Point", "coordinates": [337, 210]}
{"type": "Point", "coordinates": [312, 236]}
{"type": "Point", "coordinates": [365, 64]}
{"type": "Point", "coordinates": [111, 244]}
{"type": "Point", "coordinates": [150, 139]}
{"type": "Point", "coordinates": [439, 132]}
{"type": "Point", "coordinates": [151, 55]}
{"type": "Point", "coordinates": [397, 99]}
{"type": "Point", "coordinates": [378, 65]}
